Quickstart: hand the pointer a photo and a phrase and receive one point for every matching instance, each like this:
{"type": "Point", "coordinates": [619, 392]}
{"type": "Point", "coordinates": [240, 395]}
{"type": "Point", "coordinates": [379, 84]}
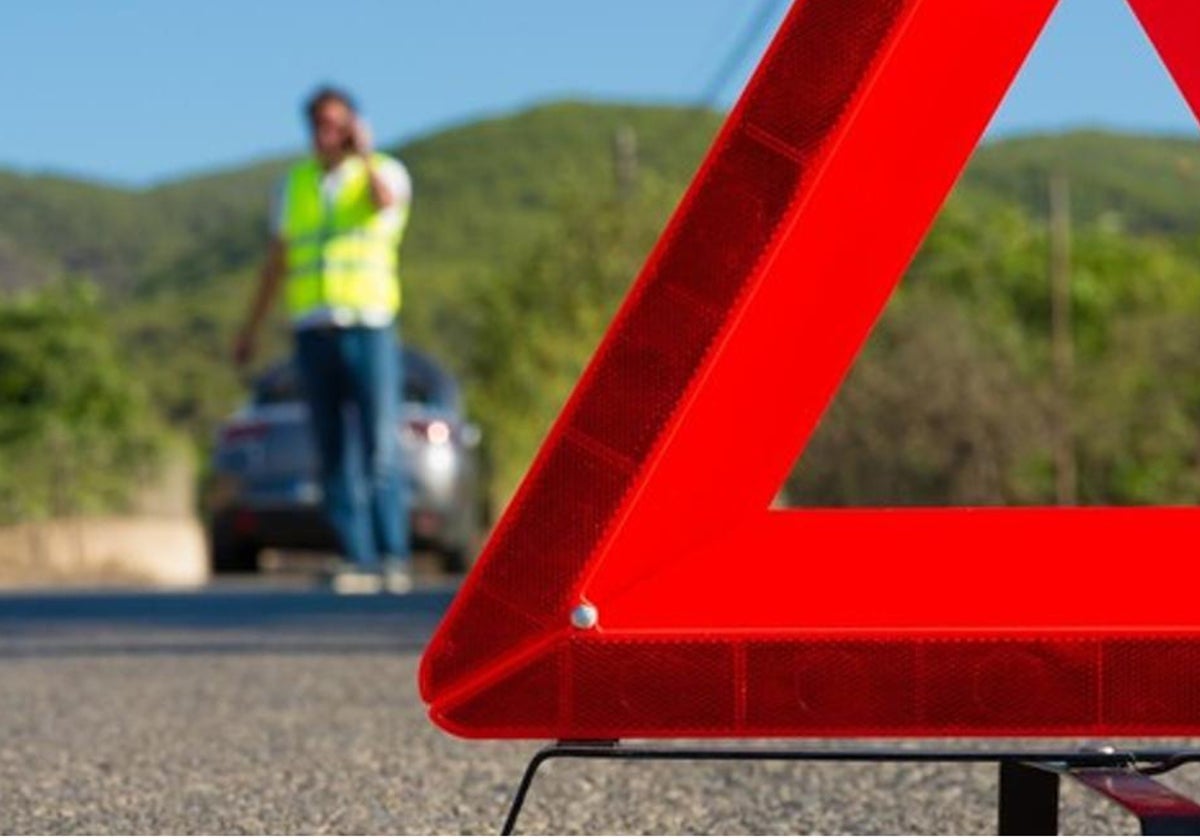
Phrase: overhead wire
{"type": "Point", "coordinates": [730, 19]}
{"type": "Point", "coordinates": [752, 34]}
{"type": "Point", "coordinates": [749, 37]}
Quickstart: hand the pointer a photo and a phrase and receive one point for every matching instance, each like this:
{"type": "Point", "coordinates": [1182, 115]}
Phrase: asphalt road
{"type": "Point", "coordinates": [276, 707]}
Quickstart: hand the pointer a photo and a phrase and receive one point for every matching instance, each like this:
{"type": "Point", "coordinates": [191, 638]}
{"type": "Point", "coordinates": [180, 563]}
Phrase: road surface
{"type": "Point", "coordinates": [277, 707]}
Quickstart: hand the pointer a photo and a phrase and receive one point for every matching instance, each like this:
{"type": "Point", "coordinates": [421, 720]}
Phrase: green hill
{"type": "Point", "coordinates": [482, 189]}
{"type": "Point", "coordinates": [520, 249]}
{"type": "Point", "coordinates": [176, 263]}
{"type": "Point", "coordinates": [1144, 184]}
{"type": "Point", "coordinates": [486, 187]}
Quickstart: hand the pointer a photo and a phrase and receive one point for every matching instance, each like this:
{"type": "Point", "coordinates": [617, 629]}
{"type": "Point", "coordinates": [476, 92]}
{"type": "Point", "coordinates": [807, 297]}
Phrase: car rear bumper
{"type": "Point", "coordinates": [305, 528]}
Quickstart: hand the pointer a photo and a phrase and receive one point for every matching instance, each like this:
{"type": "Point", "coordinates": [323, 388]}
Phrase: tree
{"type": "Point", "coordinates": [76, 433]}
{"type": "Point", "coordinates": [935, 412]}
{"type": "Point", "coordinates": [534, 328]}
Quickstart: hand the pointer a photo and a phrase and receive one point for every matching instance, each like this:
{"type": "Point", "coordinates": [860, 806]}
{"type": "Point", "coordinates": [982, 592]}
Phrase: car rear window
{"type": "Point", "coordinates": [425, 383]}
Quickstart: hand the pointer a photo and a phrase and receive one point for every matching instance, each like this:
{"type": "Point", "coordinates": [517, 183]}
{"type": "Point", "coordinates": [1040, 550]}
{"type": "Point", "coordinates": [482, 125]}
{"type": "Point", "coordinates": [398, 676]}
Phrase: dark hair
{"type": "Point", "coordinates": [325, 94]}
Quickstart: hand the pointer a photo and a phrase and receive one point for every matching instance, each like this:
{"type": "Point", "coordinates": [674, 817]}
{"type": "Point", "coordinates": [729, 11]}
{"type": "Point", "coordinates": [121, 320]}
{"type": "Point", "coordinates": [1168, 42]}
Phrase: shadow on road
{"type": "Point", "coordinates": [253, 619]}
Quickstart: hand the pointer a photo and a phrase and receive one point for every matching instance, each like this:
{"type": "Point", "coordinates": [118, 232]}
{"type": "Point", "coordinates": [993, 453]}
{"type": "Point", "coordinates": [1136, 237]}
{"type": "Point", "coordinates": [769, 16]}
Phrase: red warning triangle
{"type": "Point", "coordinates": [639, 586]}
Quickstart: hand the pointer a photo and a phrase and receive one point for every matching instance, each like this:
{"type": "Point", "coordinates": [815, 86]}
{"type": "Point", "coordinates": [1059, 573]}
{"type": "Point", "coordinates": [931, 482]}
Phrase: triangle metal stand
{"type": "Point", "coordinates": [1029, 781]}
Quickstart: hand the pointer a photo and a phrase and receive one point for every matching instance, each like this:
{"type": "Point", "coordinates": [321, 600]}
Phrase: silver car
{"type": "Point", "coordinates": [265, 492]}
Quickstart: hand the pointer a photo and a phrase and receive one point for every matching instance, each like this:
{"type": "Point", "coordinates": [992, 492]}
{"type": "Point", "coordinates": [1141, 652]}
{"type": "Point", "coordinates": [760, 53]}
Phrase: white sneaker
{"type": "Point", "coordinates": [357, 582]}
{"type": "Point", "coordinates": [397, 579]}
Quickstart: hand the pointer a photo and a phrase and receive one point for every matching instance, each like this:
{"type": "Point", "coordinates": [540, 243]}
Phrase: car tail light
{"type": "Point", "coordinates": [243, 432]}
{"type": "Point", "coordinates": [245, 523]}
{"type": "Point", "coordinates": [426, 524]}
{"type": "Point", "coordinates": [437, 432]}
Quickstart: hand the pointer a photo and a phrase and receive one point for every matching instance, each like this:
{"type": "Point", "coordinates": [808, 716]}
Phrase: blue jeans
{"type": "Point", "coordinates": [352, 381]}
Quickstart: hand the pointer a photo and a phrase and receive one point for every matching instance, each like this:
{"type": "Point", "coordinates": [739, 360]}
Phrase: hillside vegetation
{"type": "Point", "coordinates": [521, 246]}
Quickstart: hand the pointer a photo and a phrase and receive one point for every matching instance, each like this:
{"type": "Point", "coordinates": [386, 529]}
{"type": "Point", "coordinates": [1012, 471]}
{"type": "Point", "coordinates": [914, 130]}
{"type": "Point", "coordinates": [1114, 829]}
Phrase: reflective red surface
{"type": "Point", "coordinates": [719, 618]}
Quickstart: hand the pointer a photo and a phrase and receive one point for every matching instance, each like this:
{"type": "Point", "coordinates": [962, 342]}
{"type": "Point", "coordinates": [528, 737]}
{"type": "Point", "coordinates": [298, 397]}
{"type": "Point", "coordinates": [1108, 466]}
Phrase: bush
{"type": "Point", "coordinates": [77, 433]}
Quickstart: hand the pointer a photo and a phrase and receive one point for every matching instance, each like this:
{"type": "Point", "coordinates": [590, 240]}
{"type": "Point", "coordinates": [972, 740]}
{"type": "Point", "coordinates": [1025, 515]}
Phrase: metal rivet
{"type": "Point", "coordinates": [584, 617]}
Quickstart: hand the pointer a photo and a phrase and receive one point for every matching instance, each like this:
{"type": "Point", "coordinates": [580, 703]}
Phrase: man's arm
{"type": "Point", "coordinates": [382, 194]}
{"type": "Point", "coordinates": [269, 281]}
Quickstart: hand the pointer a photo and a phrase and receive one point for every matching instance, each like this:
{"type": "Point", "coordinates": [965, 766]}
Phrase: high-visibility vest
{"type": "Point", "coordinates": [343, 256]}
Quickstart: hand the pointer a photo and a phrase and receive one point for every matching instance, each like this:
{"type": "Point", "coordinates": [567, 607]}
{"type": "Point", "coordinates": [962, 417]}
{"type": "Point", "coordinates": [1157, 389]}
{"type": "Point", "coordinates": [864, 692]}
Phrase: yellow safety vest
{"type": "Point", "coordinates": [345, 256]}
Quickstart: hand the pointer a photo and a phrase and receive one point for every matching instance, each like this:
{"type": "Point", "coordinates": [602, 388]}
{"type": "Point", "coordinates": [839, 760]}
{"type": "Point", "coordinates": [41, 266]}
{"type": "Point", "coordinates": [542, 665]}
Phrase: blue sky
{"type": "Point", "coordinates": [139, 91]}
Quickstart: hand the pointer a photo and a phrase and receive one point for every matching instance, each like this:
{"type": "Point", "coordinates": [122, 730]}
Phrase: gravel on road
{"type": "Point", "coordinates": [226, 730]}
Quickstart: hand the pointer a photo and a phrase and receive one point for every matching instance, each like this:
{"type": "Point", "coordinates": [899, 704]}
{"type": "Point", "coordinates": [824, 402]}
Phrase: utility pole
{"type": "Point", "coordinates": [625, 161]}
{"type": "Point", "coordinates": [1061, 342]}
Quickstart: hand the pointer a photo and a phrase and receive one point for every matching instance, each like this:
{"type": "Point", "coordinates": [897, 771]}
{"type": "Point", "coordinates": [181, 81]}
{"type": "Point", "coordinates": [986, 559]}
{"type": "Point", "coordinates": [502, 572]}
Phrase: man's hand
{"type": "Point", "coordinates": [246, 342]}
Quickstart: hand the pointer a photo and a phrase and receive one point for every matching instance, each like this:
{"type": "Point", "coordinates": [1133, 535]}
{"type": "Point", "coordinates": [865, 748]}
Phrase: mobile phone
{"type": "Point", "coordinates": [358, 131]}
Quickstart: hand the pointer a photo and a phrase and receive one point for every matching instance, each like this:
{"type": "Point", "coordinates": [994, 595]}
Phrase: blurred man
{"type": "Point", "coordinates": [336, 224]}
